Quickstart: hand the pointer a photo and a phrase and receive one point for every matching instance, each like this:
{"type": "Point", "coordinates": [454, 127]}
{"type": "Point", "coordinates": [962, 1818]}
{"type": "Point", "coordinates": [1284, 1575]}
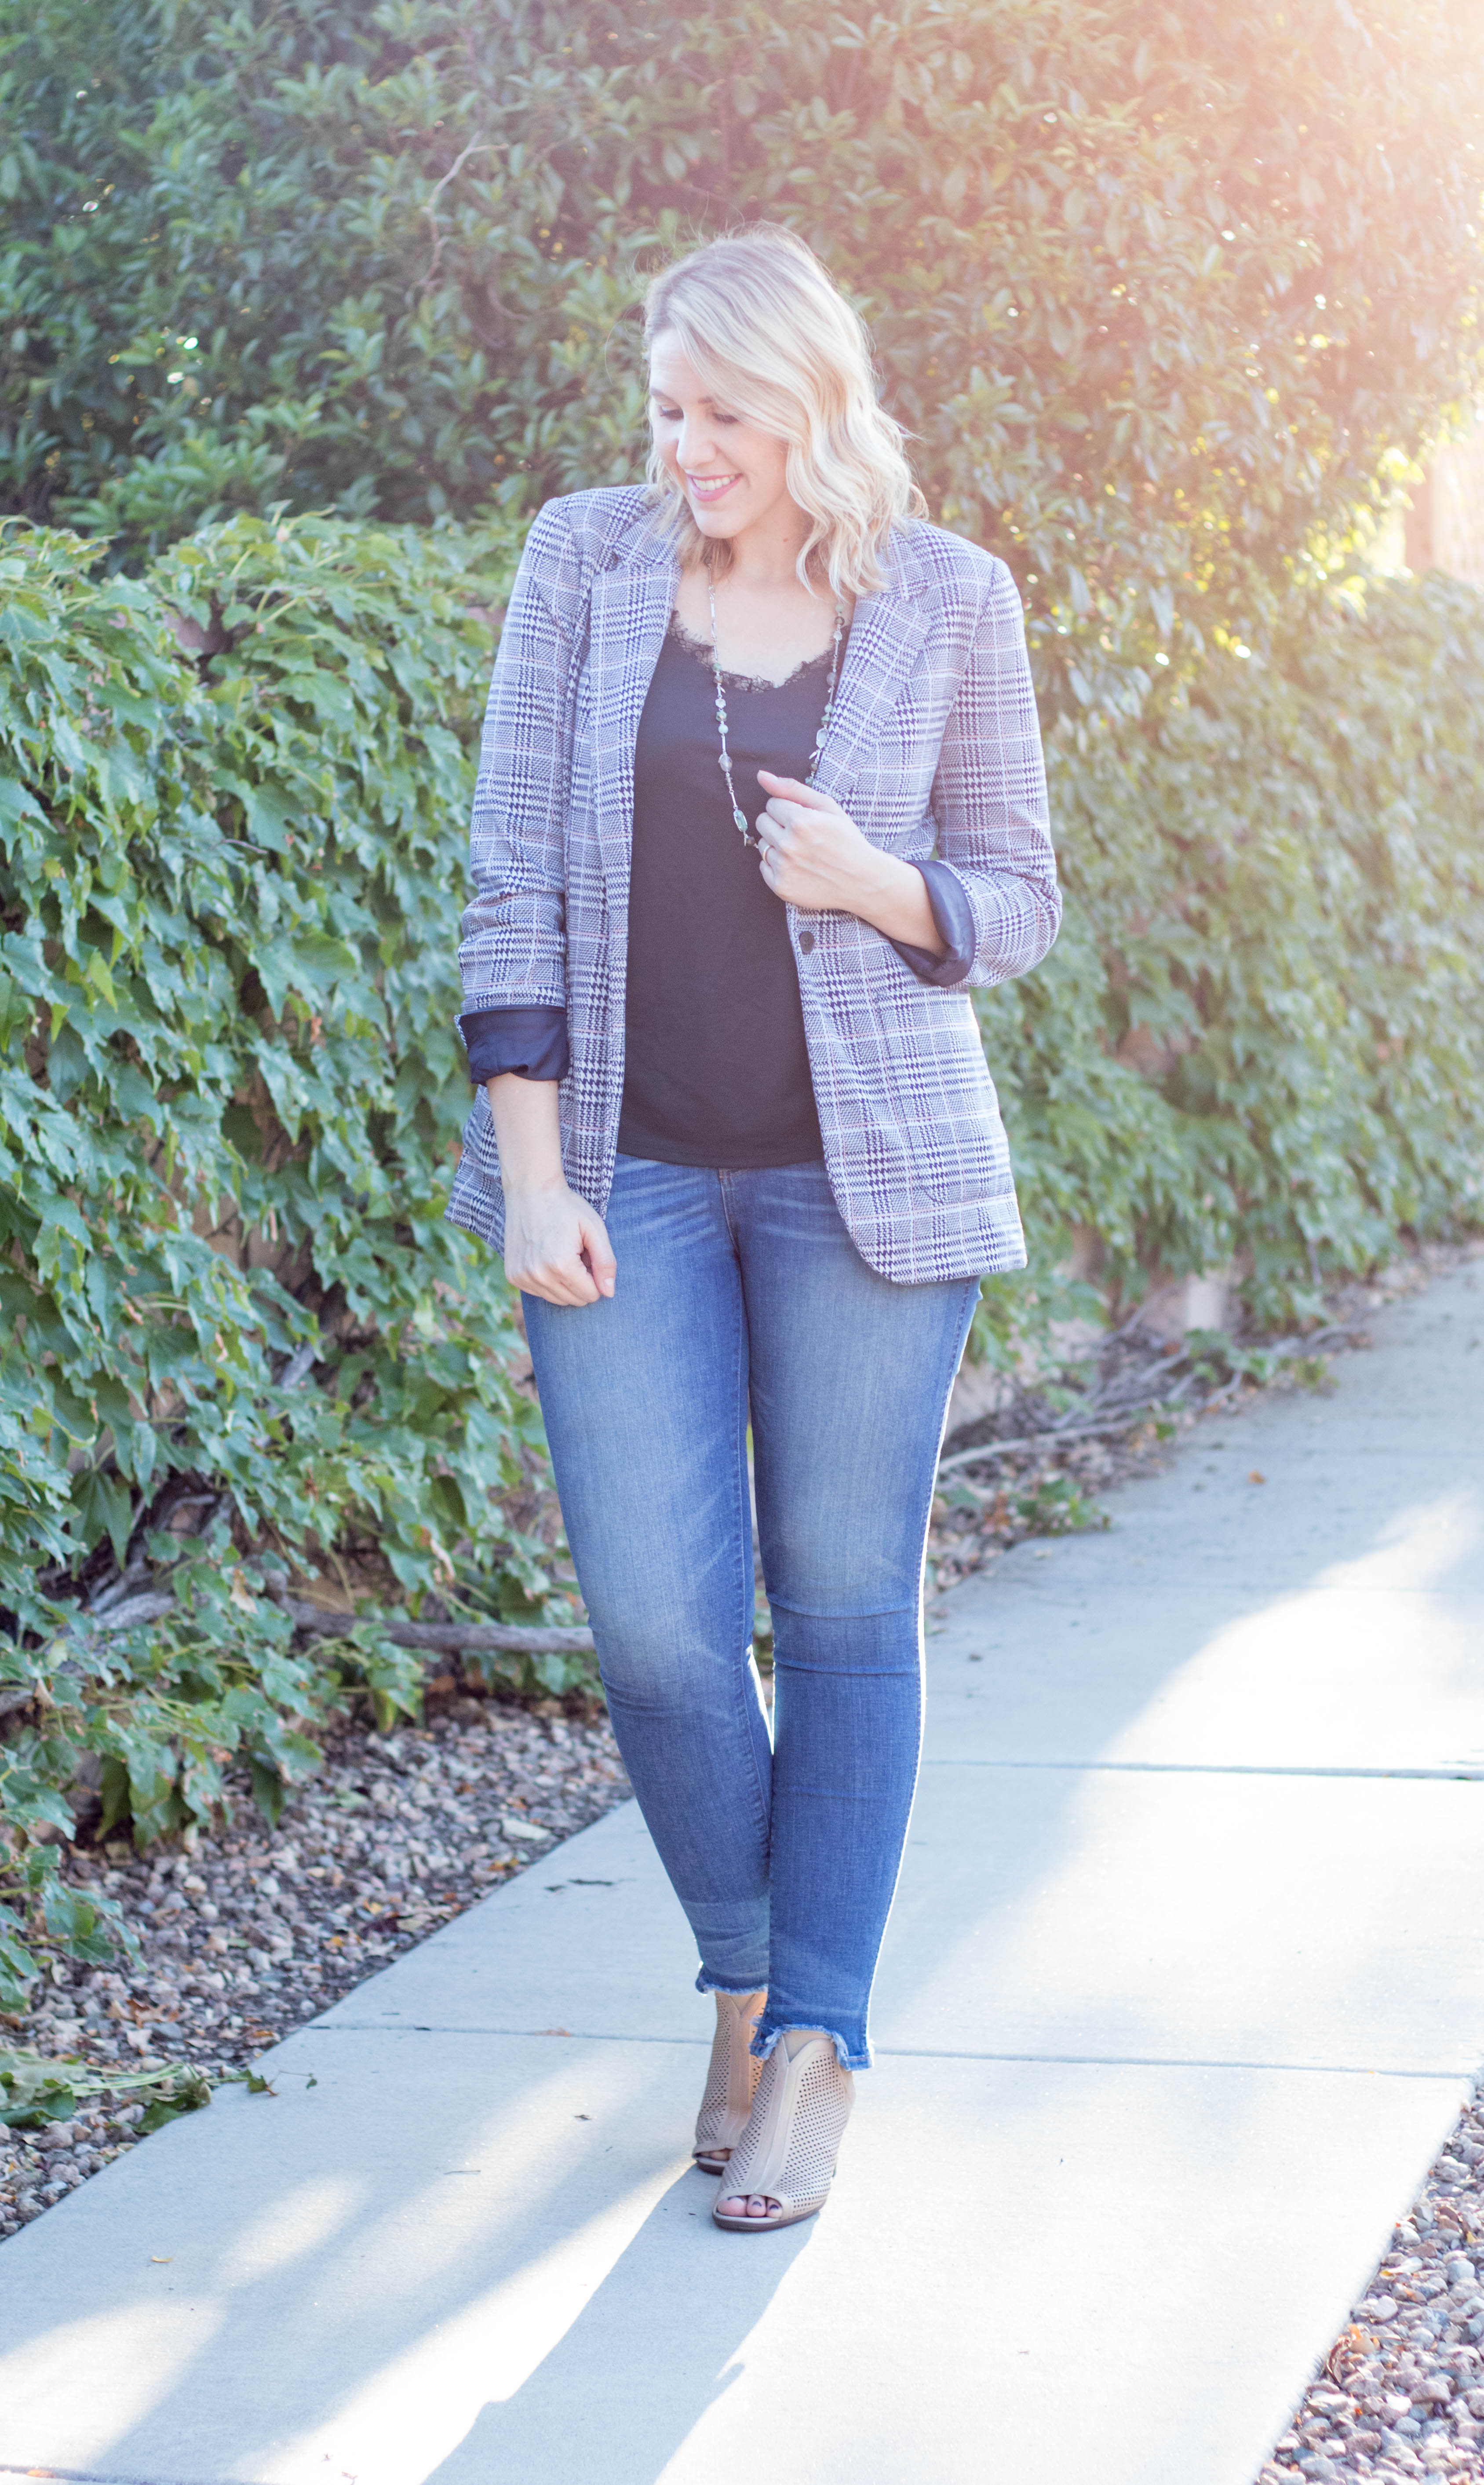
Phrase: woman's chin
{"type": "Point", "coordinates": [718, 517]}
{"type": "Point", "coordinates": [716, 522]}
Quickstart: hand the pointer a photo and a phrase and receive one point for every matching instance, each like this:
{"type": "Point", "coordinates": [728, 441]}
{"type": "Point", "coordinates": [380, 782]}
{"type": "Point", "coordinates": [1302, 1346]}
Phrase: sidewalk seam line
{"type": "Point", "coordinates": [1465, 1774]}
{"type": "Point", "coordinates": [906, 2053]}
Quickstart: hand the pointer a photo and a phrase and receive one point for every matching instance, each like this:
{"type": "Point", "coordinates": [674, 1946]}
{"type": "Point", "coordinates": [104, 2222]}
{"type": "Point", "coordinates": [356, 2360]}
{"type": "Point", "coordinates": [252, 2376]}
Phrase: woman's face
{"type": "Point", "coordinates": [732, 473]}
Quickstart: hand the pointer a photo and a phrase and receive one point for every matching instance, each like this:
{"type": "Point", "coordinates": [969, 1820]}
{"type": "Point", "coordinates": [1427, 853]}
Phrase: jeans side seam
{"type": "Point", "coordinates": [742, 1540]}
{"type": "Point", "coordinates": [972, 1294]}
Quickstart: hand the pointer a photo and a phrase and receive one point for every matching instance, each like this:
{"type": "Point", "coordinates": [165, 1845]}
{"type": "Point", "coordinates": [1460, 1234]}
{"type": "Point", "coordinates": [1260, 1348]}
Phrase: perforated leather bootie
{"type": "Point", "coordinates": [787, 2152]}
{"type": "Point", "coordinates": [731, 2081]}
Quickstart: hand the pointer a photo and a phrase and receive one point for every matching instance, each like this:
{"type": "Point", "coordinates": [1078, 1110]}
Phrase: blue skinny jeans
{"type": "Point", "coordinates": [741, 1296]}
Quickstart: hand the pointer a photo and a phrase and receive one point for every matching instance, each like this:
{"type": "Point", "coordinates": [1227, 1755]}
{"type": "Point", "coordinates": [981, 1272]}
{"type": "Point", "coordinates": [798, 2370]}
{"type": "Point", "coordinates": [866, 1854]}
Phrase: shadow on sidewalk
{"type": "Point", "coordinates": [653, 2357]}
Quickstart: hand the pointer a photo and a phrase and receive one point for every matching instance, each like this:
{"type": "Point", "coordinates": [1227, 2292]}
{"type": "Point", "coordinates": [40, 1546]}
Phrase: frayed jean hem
{"type": "Point", "coordinates": [720, 1984]}
{"type": "Point", "coordinates": [766, 2038]}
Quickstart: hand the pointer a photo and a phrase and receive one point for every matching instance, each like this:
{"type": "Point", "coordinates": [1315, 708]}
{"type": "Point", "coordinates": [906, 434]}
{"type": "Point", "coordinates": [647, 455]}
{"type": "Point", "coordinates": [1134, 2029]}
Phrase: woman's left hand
{"type": "Point", "coordinates": [813, 853]}
{"type": "Point", "coordinates": [814, 856]}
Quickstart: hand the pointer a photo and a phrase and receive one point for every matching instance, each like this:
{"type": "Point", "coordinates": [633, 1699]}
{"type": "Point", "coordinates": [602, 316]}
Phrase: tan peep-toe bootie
{"type": "Point", "coordinates": [731, 2081]}
{"type": "Point", "coordinates": [788, 2151]}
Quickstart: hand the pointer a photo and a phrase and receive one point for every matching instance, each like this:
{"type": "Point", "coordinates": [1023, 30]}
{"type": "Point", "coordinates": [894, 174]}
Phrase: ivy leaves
{"type": "Point", "coordinates": [1260, 1041]}
{"type": "Point", "coordinates": [230, 1093]}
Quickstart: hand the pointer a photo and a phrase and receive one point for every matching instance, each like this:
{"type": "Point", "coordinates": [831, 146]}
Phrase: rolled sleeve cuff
{"type": "Point", "coordinates": [524, 1041]}
{"type": "Point", "coordinates": [953, 916]}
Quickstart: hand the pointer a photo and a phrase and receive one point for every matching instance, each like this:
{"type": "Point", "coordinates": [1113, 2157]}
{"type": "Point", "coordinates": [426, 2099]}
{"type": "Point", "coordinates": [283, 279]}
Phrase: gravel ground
{"type": "Point", "coordinates": [1401, 2392]}
{"type": "Point", "coordinates": [247, 1935]}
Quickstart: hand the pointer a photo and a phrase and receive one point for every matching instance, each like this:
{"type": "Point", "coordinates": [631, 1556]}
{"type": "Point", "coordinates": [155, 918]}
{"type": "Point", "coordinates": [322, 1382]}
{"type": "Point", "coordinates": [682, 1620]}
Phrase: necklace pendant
{"type": "Point", "coordinates": [724, 756]}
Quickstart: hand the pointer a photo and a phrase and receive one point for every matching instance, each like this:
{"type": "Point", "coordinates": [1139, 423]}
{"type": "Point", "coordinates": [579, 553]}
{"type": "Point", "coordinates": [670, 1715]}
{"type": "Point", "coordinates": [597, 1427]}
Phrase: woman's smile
{"type": "Point", "coordinates": [710, 487]}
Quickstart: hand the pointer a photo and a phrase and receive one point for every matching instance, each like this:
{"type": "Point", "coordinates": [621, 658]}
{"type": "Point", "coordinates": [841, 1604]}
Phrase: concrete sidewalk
{"type": "Point", "coordinates": [1184, 1988]}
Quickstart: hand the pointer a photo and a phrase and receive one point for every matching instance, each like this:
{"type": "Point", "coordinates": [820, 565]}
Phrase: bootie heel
{"type": "Point", "coordinates": [787, 2152]}
{"type": "Point", "coordinates": [731, 2081]}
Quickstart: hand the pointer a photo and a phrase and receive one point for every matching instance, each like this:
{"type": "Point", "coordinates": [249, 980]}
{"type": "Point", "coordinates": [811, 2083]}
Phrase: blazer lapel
{"type": "Point", "coordinates": [631, 604]}
{"type": "Point", "coordinates": [630, 612]}
{"type": "Point", "coordinates": [885, 637]}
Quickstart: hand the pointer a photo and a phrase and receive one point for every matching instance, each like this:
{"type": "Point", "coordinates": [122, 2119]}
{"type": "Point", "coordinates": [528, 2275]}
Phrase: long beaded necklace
{"type": "Point", "coordinates": [739, 816]}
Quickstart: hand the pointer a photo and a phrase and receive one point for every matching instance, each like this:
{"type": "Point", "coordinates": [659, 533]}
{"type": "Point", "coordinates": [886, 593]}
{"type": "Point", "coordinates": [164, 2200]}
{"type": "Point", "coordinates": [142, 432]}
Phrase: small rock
{"type": "Point", "coordinates": [1379, 2308]}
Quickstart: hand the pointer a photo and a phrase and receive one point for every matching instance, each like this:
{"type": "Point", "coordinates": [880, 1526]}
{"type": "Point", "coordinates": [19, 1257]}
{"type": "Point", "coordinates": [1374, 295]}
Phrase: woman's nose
{"type": "Point", "coordinates": [695, 448]}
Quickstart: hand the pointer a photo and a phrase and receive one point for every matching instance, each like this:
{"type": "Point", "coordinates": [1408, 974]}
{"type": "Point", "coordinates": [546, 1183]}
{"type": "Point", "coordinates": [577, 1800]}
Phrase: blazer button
{"type": "Point", "coordinates": [806, 942]}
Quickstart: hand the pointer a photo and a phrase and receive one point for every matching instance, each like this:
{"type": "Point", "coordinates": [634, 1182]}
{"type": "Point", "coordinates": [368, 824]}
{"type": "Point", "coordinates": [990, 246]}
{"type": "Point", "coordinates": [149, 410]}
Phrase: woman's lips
{"type": "Point", "coordinates": [710, 487]}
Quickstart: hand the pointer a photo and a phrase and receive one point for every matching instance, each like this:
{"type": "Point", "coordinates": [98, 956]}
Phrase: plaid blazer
{"type": "Point", "coordinates": [932, 746]}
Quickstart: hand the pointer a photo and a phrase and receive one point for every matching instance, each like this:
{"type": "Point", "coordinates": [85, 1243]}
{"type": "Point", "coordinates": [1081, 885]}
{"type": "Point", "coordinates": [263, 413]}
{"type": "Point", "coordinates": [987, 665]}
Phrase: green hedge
{"type": "Point", "coordinates": [1260, 1038]}
{"type": "Point", "coordinates": [230, 1091]}
{"type": "Point", "coordinates": [1157, 290]}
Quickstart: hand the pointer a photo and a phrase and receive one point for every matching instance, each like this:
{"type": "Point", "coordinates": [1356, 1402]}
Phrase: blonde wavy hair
{"type": "Point", "coordinates": [765, 328]}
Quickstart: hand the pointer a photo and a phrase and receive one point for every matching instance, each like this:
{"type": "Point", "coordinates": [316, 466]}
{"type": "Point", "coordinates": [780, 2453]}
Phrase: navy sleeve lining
{"type": "Point", "coordinates": [953, 916]}
{"type": "Point", "coordinates": [531, 1042]}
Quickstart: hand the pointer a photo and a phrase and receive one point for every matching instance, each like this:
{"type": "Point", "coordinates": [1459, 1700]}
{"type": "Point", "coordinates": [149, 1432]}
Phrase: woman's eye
{"type": "Point", "coordinates": [668, 413]}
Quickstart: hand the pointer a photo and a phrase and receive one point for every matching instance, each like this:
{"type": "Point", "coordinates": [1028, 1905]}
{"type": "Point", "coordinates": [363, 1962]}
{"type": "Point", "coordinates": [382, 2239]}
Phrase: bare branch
{"type": "Point", "coordinates": [476, 147]}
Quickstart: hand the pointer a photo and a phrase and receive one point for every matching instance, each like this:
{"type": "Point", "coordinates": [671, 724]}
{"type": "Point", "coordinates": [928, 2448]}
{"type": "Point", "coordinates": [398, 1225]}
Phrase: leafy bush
{"type": "Point", "coordinates": [237, 1332]}
{"type": "Point", "coordinates": [239, 1339]}
{"type": "Point", "coordinates": [1260, 1040]}
{"type": "Point", "coordinates": [1157, 290]}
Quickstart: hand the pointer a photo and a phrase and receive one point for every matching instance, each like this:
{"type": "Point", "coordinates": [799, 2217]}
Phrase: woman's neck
{"type": "Point", "coordinates": [765, 557]}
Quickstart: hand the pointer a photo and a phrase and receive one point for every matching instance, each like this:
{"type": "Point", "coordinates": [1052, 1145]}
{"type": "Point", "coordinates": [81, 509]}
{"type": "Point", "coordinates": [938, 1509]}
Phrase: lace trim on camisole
{"type": "Point", "coordinates": [701, 649]}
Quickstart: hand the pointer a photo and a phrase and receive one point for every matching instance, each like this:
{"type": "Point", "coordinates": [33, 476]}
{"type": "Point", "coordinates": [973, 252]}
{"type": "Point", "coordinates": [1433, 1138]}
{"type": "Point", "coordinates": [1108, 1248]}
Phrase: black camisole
{"type": "Point", "coordinates": [716, 1072]}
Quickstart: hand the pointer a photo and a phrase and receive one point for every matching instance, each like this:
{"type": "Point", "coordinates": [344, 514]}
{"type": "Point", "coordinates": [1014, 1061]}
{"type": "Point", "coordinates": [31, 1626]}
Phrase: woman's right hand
{"type": "Point", "coordinates": [555, 1245]}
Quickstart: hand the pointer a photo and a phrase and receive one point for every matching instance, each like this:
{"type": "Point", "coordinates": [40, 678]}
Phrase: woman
{"type": "Point", "coordinates": [761, 797]}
